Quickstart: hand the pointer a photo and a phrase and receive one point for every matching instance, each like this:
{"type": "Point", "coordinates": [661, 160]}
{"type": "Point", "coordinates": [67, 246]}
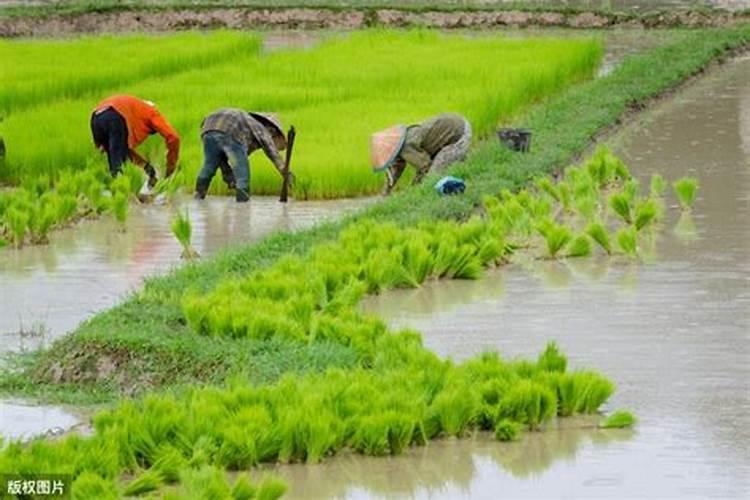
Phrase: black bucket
{"type": "Point", "coordinates": [517, 139]}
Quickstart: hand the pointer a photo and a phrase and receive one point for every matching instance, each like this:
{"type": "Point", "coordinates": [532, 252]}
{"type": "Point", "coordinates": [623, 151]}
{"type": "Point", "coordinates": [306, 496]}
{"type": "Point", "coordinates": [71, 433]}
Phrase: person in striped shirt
{"type": "Point", "coordinates": [229, 136]}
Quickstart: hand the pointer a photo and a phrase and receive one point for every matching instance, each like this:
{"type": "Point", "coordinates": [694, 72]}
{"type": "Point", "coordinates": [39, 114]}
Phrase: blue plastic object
{"type": "Point", "coordinates": [450, 185]}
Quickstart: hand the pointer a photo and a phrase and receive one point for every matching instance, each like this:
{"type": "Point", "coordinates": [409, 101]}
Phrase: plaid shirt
{"type": "Point", "coordinates": [246, 130]}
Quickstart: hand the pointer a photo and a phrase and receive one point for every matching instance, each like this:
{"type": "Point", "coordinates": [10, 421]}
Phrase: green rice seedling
{"type": "Point", "coordinates": [89, 485]}
{"type": "Point", "coordinates": [599, 234]}
{"type": "Point", "coordinates": [618, 420]}
{"type": "Point", "coordinates": [556, 237]}
{"type": "Point", "coordinates": [529, 403]}
{"type": "Point", "coordinates": [17, 221]}
{"type": "Point", "coordinates": [182, 229]}
{"type": "Point", "coordinates": [620, 203]}
{"type": "Point", "coordinates": [207, 482]}
{"type": "Point", "coordinates": [582, 392]}
{"type": "Point", "coordinates": [601, 166]}
{"type": "Point", "coordinates": [552, 360]}
{"type": "Point", "coordinates": [456, 409]}
{"type": "Point", "coordinates": [43, 222]}
{"type": "Point", "coordinates": [67, 207]}
{"type": "Point", "coordinates": [580, 246]}
{"type": "Point", "coordinates": [566, 197]}
{"type": "Point", "coordinates": [545, 185]}
{"type": "Point", "coordinates": [243, 489]}
{"type": "Point", "coordinates": [168, 462]}
{"type": "Point", "coordinates": [620, 169]}
{"type": "Point", "coordinates": [149, 480]}
{"type": "Point", "coordinates": [658, 186]}
{"type": "Point", "coordinates": [135, 178]}
{"type": "Point", "coordinates": [120, 208]}
{"type": "Point", "coordinates": [685, 189]}
{"type": "Point", "coordinates": [631, 189]}
{"type": "Point", "coordinates": [646, 213]}
{"type": "Point", "coordinates": [271, 488]}
{"type": "Point", "coordinates": [508, 430]}
{"type": "Point", "coordinates": [627, 239]}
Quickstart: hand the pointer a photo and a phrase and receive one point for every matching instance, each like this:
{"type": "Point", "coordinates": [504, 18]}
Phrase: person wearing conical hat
{"type": "Point", "coordinates": [431, 145]}
{"type": "Point", "coordinates": [229, 136]}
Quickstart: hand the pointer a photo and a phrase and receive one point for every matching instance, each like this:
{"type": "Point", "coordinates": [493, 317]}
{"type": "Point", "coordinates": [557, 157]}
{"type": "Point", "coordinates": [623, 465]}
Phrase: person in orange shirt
{"type": "Point", "coordinates": [121, 123]}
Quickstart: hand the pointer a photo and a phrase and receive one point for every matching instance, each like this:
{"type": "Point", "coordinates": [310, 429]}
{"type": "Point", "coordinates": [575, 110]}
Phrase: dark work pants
{"type": "Point", "coordinates": [111, 133]}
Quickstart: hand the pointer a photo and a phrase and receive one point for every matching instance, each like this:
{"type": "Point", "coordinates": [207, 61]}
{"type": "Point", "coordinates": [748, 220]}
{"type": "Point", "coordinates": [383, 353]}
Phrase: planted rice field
{"type": "Point", "coordinates": [336, 94]}
{"type": "Point", "coordinates": [265, 354]}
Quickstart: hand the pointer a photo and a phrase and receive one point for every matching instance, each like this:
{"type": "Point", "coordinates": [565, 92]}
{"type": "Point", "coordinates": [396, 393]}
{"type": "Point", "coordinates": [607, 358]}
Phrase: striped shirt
{"type": "Point", "coordinates": [243, 128]}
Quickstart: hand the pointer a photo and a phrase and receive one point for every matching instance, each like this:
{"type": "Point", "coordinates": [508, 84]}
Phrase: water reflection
{"type": "Point", "coordinates": [671, 328]}
{"type": "Point", "coordinates": [90, 268]}
{"type": "Point", "coordinates": [447, 468]}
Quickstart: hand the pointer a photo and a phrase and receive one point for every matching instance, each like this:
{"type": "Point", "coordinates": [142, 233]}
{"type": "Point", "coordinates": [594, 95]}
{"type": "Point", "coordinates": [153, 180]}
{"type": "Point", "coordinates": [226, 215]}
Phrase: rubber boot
{"type": "Point", "coordinates": [242, 195]}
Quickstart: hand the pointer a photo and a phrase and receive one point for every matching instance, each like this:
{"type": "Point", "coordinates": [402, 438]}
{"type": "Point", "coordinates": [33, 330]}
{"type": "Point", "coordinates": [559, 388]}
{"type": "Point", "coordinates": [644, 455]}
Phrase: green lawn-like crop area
{"type": "Point", "coordinates": [336, 94]}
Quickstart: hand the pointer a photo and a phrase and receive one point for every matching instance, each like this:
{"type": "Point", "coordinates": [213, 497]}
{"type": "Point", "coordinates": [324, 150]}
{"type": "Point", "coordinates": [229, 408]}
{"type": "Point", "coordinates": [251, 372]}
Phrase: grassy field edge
{"type": "Point", "coordinates": [146, 338]}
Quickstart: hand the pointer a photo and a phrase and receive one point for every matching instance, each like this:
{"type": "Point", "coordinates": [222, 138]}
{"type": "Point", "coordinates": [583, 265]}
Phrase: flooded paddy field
{"type": "Point", "coordinates": [673, 331]}
{"type": "Point", "coordinates": [47, 290]}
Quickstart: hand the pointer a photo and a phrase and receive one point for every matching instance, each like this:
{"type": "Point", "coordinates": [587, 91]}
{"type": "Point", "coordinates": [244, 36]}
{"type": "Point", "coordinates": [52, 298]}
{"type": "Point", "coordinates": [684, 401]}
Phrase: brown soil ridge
{"type": "Point", "coordinates": [317, 18]}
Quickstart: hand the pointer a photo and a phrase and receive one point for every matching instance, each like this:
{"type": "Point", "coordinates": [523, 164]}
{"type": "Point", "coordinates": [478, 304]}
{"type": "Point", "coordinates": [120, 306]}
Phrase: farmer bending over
{"type": "Point", "coordinates": [121, 123]}
{"type": "Point", "coordinates": [229, 136]}
{"type": "Point", "coordinates": [432, 144]}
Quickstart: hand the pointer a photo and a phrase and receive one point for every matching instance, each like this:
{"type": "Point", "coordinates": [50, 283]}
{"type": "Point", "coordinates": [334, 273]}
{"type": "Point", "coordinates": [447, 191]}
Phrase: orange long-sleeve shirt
{"type": "Point", "coordinates": [143, 119]}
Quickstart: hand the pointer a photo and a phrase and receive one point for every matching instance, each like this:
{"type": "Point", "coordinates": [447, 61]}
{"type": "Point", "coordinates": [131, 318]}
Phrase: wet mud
{"type": "Point", "coordinates": [148, 20]}
{"type": "Point", "coordinates": [672, 330]}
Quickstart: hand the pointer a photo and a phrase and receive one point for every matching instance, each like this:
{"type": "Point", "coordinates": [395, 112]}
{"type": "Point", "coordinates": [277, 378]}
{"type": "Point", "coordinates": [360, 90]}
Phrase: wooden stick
{"type": "Point", "coordinates": [285, 183]}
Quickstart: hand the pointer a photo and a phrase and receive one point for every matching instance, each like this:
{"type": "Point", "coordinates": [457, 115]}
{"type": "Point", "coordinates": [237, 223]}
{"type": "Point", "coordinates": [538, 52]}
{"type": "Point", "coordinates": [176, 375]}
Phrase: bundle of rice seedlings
{"type": "Point", "coordinates": [620, 203]}
{"type": "Point", "coordinates": [508, 430]}
{"type": "Point", "coordinates": [545, 184]}
{"type": "Point", "coordinates": [686, 189]}
{"type": "Point", "coordinates": [552, 359]}
{"type": "Point", "coordinates": [599, 234]}
{"type": "Point", "coordinates": [17, 221]}
{"type": "Point", "coordinates": [183, 231]}
{"type": "Point", "coordinates": [582, 392]}
{"type": "Point", "coordinates": [627, 239]}
{"type": "Point", "coordinates": [90, 485]}
{"type": "Point", "coordinates": [455, 409]}
{"type": "Point", "coordinates": [528, 402]}
{"type": "Point", "coordinates": [271, 488]}
{"type": "Point", "coordinates": [646, 213]}
{"type": "Point", "coordinates": [149, 480]}
{"type": "Point", "coordinates": [658, 186]}
{"type": "Point", "coordinates": [580, 246]}
{"type": "Point", "coordinates": [618, 420]}
{"type": "Point", "coordinates": [556, 236]}
{"type": "Point", "coordinates": [243, 489]}
{"type": "Point", "coordinates": [120, 208]}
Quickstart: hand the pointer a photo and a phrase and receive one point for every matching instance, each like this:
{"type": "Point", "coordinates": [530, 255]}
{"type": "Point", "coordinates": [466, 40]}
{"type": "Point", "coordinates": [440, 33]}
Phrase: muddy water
{"type": "Point", "coordinates": [47, 290]}
{"type": "Point", "coordinates": [22, 421]}
{"type": "Point", "coordinates": [672, 331]}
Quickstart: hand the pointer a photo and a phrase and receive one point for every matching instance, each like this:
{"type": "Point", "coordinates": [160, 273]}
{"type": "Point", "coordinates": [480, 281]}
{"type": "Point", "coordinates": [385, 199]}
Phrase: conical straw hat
{"type": "Point", "coordinates": [385, 146]}
{"type": "Point", "coordinates": [270, 119]}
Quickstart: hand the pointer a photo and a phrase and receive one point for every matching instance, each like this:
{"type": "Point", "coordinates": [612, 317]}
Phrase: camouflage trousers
{"type": "Point", "coordinates": [450, 154]}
